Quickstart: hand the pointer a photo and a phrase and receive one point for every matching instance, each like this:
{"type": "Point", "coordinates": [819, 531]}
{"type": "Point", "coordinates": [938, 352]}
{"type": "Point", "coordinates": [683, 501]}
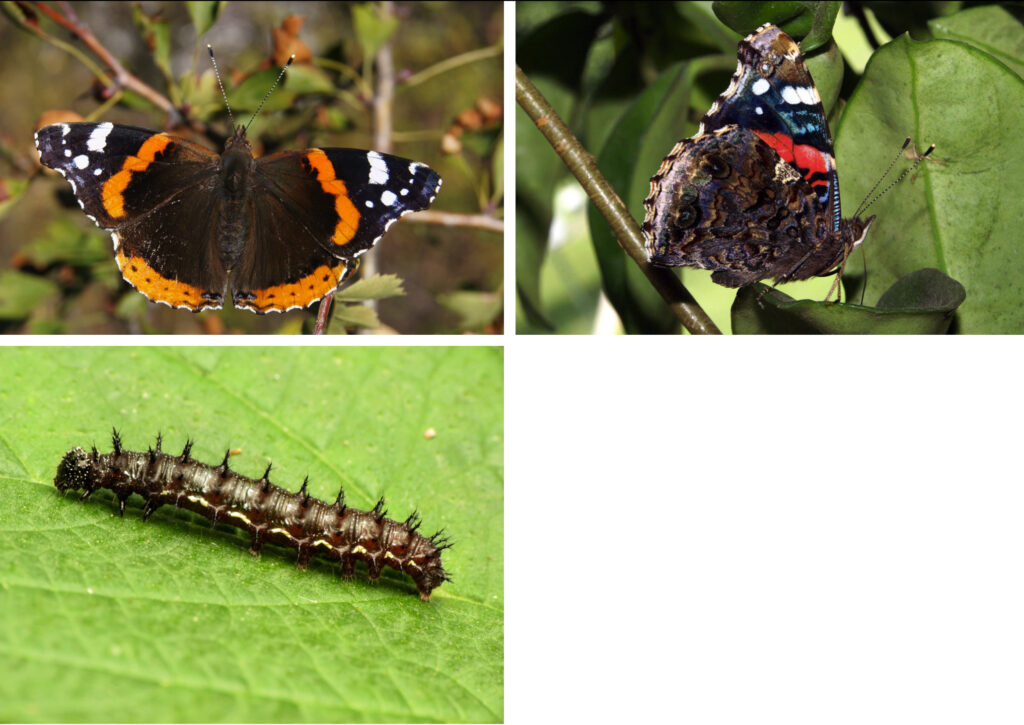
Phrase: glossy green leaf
{"type": "Point", "coordinates": [957, 212]}
{"type": "Point", "coordinates": [630, 156]}
{"type": "Point", "coordinates": [810, 22]}
{"type": "Point", "coordinates": [920, 303]}
{"type": "Point", "coordinates": [989, 28]}
{"type": "Point", "coordinates": [551, 48]}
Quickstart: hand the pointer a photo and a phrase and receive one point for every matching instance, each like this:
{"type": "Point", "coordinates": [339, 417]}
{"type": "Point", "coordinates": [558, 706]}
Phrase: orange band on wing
{"type": "Point", "coordinates": [348, 215]}
{"type": "Point", "coordinates": [113, 190]}
{"type": "Point", "coordinates": [298, 294]}
{"type": "Point", "coordinates": [160, 289]}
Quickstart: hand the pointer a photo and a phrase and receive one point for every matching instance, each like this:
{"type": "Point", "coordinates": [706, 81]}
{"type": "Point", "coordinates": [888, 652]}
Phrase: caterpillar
{"type": "Point", "coordinates": [268, 512]}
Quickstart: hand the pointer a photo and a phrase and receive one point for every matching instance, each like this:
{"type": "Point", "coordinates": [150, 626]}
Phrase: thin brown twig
{"type": "Point", "coordinates": [449, 63]}
{"type": "Point", "coordinates": [383, 105]}
{"type": "Point", "coordinates": [383, 100]}
{"type": "Point", "coordinates": [454, 219]}
{"type": "Point", "coordinates": [121, 77]}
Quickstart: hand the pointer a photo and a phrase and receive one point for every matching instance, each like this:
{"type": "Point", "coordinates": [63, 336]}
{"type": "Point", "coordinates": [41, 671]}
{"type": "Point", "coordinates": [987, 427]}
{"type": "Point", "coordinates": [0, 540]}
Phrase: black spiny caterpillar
{"type": "Point", "coordinates": [267, 512]}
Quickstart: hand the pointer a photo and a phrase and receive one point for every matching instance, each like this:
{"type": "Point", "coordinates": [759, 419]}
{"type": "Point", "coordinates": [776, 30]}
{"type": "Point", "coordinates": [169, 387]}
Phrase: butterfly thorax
{"type": "Point", "coordinates": [237, 170]}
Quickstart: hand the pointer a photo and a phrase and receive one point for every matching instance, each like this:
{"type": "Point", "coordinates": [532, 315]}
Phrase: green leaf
{"type": "Point", "coordinates": [11, 190]}
{"type": "Point", "coordinates": [302, 79]}
{"type": "Point", "coordinates": [252, 91]}
{"type": "Point", "coordinates": [373, 27]}
{"type": "Point", "coordinates": [64, 241]}
{"type": "Point", "coordinates": [475, 309]}
{"type": "Point", "coordinates": [178, 618]}
{"type": "Point", "coordinates": [990, 28]}
{"type": "Point", "coordinates": [353, 316]}
{"type": "Point", "coordinates": [553, 44]}
{"type": "Point", "coordinates": [622, 161]}
{"type": "Point", "coordinates": [920, 303]}
{"type": "Point", "coordinates": [21, 293]}
{"type": "Point", "coordinates": [377, 287]}
{"type": "Point", "coordinates": [157, 36]}
{"type": "Point", "coordinates": [955, 212]}
{"type": "Point", "coordinates": [924, 290]}
{"type": "Point", "coordinates": [810, 21]}
{"type": "Point", "coordinates": [203, 14]}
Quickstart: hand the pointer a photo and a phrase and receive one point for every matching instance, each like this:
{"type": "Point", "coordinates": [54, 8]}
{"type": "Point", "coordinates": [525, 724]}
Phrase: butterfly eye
{"type": "Point", "coordinates": [765, 68]}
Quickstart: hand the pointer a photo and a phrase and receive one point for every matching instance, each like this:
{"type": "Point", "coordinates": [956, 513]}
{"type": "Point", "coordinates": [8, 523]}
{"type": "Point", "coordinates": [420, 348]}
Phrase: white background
{"type": "Point", "coordinates": [791, 530]}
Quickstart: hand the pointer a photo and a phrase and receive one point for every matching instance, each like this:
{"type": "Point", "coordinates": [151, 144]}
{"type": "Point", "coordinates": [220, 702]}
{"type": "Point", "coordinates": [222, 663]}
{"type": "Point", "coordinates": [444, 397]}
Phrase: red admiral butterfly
{"type": "Point", "coordinates": [755, 194]}
{"type": "Point", "coordinates": [269, 513]}
{"type": "Point", "coordinates": [286, 228]}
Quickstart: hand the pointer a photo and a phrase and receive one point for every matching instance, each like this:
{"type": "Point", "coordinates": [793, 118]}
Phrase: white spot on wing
{"type": "Point", "coordinates": [790, 96]}
{"type": "Point", "coordinates": [98, 137]}
{"type": "Point", "coordinates": [81, 161]}
{"type": "Point", "coordinates": [388, 198]}
{"type": "Point", "coordinates": [378, 168]}
{"type": "Point", "coordinates": [760, 87]}
{"type": "Point", "coordinates": [807, 95]}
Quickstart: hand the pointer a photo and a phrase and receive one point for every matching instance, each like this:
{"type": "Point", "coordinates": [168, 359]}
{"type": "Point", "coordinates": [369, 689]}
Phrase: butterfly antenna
{"type": "Point", "coordinates": [279, 77]}
{"type": "Point", "coordinates": [866, 203]}
{"type": "Point", "coordinates": [220, 83]}
{"type": "Point", "coordinates": [881, 178]}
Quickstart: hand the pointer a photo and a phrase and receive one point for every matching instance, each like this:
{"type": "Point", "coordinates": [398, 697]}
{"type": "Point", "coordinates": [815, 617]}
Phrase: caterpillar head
{"type": "Point", "coordinates": [74, 471]}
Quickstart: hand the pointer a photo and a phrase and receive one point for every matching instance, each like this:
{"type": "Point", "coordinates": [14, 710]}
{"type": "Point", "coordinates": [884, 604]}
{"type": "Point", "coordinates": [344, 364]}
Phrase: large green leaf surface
{"type": "Point", "coordinates": [120, 620]}
{"type": "Point", "coordinates": [961, 210]}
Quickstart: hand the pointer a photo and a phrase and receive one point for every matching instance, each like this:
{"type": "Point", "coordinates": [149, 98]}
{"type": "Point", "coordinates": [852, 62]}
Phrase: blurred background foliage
{"type": "Point", "coordinates": [58, 273]}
